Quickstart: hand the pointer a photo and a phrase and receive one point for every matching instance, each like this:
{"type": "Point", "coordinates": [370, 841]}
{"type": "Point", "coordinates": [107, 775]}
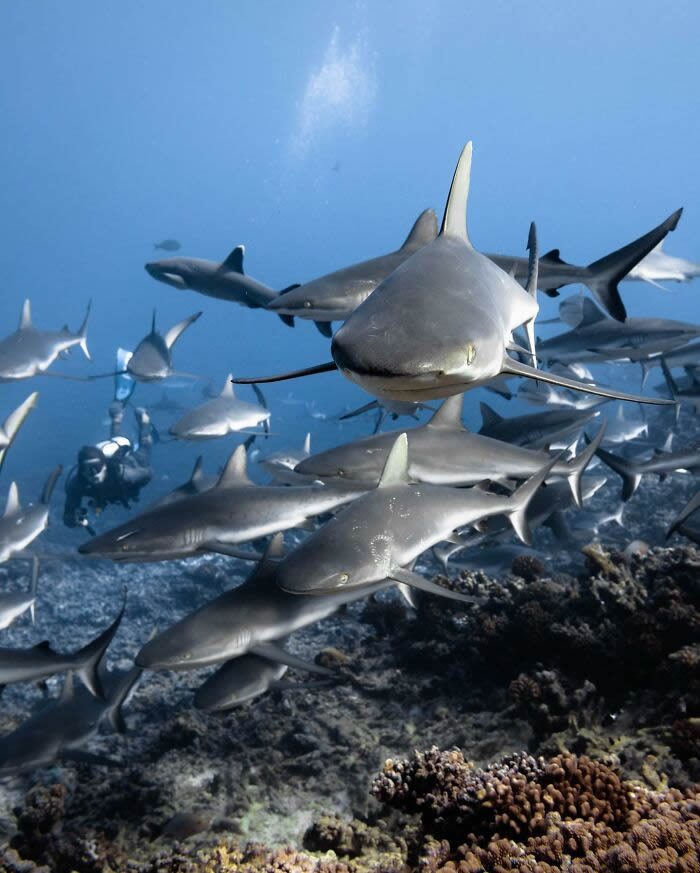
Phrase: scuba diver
{"type": "Point", "coordinates": [113, 471]}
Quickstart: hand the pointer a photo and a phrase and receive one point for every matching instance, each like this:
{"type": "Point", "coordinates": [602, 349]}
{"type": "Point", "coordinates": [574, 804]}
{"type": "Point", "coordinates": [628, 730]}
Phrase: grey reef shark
{"type": "Point", "coordinates": [248, 619]}
{"type": "Point", "coordinates": [29, 351]}
{"type": "Point", "coordinates": [381, 534]}
{"type": "Point", "coordinates": [444, 452]}
{"type": "Point", "coordinates": [235, 511]}
{"type": "Point", "coordinates": [220, 416]}
{"type": "Point", "coordinates": [21, 526]}
{"type": "Point", "coordinates": [223, 280]}
{"type": "Point", "coordinates": [405, 344]}
{"type": "Point", "coordinates": [335, 296]}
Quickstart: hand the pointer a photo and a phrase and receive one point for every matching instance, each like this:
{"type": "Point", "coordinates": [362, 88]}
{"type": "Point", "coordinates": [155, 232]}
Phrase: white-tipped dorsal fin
{"type": "Point", "coordinates": [489, 417]}
{"type": "Point", "coordinates": [307, 444]}
{"type": "Point", "coordinates": [234, 262]}
{"type": "Point", "coordinates": [423, 231]}
{"type": "Point", "coordinates": [454, 222]}
{"type": "Point", "coordinates": [171, 337]}
{"type": "Point", "coordinates": [395, 470]}
{"type": "Point", "coordinates": [12, 504]}
{"type": "Point", "coordinates": [275, 548]}
{"type": "Point", "coordinates": [449, 415]}
{"type": "Point", "coordinates": [25, 319]}
{"type": "Point", "coordinates": [197, 470]}
{"type": "Point", "coordinates": [227, 390]}
{"type": "Point", "coordinates": [236, 470]}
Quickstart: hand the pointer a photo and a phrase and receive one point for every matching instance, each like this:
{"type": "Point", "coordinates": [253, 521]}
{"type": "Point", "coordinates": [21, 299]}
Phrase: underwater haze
{"type": "Point", "coordinates": [526, 599]}
{"type": "Point", "coordinates": [314, 133]}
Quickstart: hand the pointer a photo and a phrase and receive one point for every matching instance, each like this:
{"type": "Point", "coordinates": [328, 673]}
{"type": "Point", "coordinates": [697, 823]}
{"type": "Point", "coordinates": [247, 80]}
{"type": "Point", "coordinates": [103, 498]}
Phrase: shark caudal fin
{"type": "Point", "coordinates": [50, 485]}
{"type": "Point", "coordinates": [33, 585]}
{"type": "Point", "coordinates": [172, 336]}
{"type": "Point", "coordinates": [516, 368]}
{"type": "Point", "coordinates": [87, 660]}
{"type": "Point", "coordinates": [605, 273]}
{"type": "Point", "coordinates": [119, 695]}
{"type": "Point", "coordinates": [424, 230]}
{"type": "Point", "coordinates": [520, 500]}
{"type": "Point", "coordinates": [685, 513]}
{"type": "Point", "coordinates": [631, 475]}
{"type": "Point", "coordinates": [577, 465]}
{"type": "Point", "coordinates": [82, 332]}
{"type": "Point", "coordinates": [454, 221]}
{"type": "Point", "coordinates": [14, 421]}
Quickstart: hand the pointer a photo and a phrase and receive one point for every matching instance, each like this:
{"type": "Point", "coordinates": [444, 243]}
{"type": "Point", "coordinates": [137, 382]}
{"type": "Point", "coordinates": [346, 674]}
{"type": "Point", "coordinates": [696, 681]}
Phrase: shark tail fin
{"type": "Point", "coordinates": [33, 585]}
{"type": "Point", "coordinates": [367, 407]}
{"type": "Point", "coordinates": [176, 330]}
{"type": "Point", "coordinates": [50, 484]}
{"type": "Point", "coordinates": [577, 465]}
{"type": "Point", "coordinates": [119, 697]}
{"type": "Point", "coordinates": [516, 368]}
{"type": "Point", "coordinates": [631, 477]}
{"type": "Point", "coordinates": [14, 421]}
{"type": "Point", "coordinates": [87, 660]}
{"type": "Point", "coordinates": [692, 506]}
{"type": "Point", "coordinates": [520, 500]}
{"type": "Point", "coordinates": [82, 332]}
{"type": "Point", "coordinates": [605, 273]}
{"type": "Point", "coordinates": [454, 222]}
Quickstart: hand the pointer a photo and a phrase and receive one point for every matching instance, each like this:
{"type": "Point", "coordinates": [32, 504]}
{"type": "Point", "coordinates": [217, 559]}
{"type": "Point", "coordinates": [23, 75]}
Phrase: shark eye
{"type": "Point", "coordinates": [340, 472]}
{"type": "Point", "coordinates": [343, 578]}
{"type": "Point", "coordinates": [471, 353]}
{"type": "Point", "coordinates": [307, 304]}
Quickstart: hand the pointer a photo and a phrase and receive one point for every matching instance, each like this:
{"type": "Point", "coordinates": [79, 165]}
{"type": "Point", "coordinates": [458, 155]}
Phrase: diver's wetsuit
{"type": "Point", "coordinates": [126, 471]}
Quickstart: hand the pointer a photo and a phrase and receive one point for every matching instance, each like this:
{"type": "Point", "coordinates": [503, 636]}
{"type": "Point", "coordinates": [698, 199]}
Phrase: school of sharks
{"type": "Point", "coordinates": [418, 329]}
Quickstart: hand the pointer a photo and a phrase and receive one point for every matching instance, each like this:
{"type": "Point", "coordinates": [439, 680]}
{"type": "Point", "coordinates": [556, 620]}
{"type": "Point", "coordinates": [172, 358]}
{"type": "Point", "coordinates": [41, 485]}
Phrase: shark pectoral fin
{"type": "Point", "coordinates": [579, 463]}
{"type": "Point", "coordinates": [408, 594]}
{"type": "Point", "coordinates": [220, 548]}
{"type": "Point", "coordinates": [81, 756]}
{"type": "Point", "coordinates": [415, 580]}
{"type": "Point", "coordinates": [516, 368]}
{"type": "Point", "coordinates": [294, 374]}
{"type": "Point", "coordinates": [280, 655]}
{"type": "Point", "coordinates": [287, 319]}
{"type": "Point", "coordinates": [176, 330]}
{"type": "Point", "coordinates": [325, 328]}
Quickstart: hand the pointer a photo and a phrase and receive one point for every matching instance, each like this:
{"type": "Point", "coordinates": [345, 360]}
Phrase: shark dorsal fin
{"type": "Point", "coordinates": [423, 231]}
{"type": "Point", "coordinates": [67, 690]}
{"type": "Point", "coordinates": [153, 322]}
{"type": "Point", "coordinates": [197, 470]}
{"type": "Point", "coordinates": [43, 646]}
{"type": "Point", "coordinates": [395, 470]}
{"type": "Point", "coordinates": [489, 417]}
{"type": "Point", "coordinates": [236, 470]}
{"type": "Point", "coordinates": [234, 262]}
{"type": "Point", "coordinates": [552, 257]}
{"type": "Point", "coordinates": [275, 548]}
{"type": "Point", "coordinates": [227, 390]}
{"type": "Point", "coordinates": [454, 222]}
{"type": "Point", "coordinates": [449, 415]}
{"type": "Point", "coordinates": [25, 318]}
{"type": "Point", "coordinates": [307, 444]}
{"type": "Point", "coordinates": [12, 504]}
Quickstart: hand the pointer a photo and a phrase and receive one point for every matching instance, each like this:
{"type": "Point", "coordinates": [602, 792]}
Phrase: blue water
{"type": "Point", "coordinates": [314, 133]}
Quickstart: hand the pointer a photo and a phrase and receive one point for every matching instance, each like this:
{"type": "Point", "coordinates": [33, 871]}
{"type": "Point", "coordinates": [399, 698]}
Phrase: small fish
{"type": "Point", "coordinates": [168, 245]}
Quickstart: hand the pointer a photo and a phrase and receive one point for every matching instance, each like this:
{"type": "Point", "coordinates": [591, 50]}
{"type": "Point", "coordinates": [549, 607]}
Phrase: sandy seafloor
{"type": "Point", "coordinates": [582, 658]}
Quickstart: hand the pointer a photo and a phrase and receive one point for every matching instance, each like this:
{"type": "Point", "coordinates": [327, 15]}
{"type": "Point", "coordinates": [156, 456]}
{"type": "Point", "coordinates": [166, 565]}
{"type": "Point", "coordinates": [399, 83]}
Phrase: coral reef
{"type": "Point", "coordinates": [571, 813]}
